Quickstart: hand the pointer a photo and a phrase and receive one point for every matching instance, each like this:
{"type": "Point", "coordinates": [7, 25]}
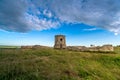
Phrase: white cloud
{"type": "Point", "coordinates": [99, 13]}
{"type": "Point", "coordinates": [90, 29]}
{"type": "Point", "coordinates": [39, 24]}
{"type": "Point", "coordinates": [22, 16]}
{"type": "Point", "coordinates": [116, 34]}
{"type": "Point", "coordinates": [47, 13]}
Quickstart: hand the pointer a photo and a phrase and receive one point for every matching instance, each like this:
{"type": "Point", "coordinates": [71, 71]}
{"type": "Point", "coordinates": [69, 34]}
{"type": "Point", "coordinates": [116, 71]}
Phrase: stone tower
{"type": "Point", "coordinates": [60, 42]}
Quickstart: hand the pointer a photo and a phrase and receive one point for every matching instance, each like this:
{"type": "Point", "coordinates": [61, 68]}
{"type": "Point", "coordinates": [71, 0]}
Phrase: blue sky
{"type": "Point", "coordinates": [83, 22]}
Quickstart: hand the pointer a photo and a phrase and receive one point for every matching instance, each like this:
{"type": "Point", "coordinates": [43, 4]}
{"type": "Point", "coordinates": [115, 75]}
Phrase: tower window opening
{"type": "Point", "coordinates": [61, 39]}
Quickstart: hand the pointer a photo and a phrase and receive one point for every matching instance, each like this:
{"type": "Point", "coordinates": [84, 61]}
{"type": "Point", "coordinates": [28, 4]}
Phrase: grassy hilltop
{"type": "Point", "coordinates": [50, 64]}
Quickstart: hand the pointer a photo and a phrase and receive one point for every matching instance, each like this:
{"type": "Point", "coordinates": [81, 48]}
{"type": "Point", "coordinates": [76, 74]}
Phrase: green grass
{"type": "Point", "coordinates": [51, 64]}
{"type": "Point", "coordinates": [3, 46]}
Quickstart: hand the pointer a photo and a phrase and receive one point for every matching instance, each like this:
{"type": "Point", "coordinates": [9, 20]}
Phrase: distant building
{"type": "Point", "coordinates": [60, 42]}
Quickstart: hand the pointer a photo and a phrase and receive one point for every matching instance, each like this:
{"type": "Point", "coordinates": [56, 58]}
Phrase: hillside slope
{"type": "Point", "coordinates": [50, 64]}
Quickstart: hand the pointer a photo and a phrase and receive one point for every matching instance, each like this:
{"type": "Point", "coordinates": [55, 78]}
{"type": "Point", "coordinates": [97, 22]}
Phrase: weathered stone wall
{"type": "Point", "coordinates": [26, 47]}
{"type": "Point", "coordinates": [76, 48]}
{"type": "Point", "coordinates": [39, 47]}
{"type": "Point", "coordinates": [107, 48]}
{"type": "Point", "coordinates": [34, 47]}
{"type": "Point", "coordinates": [93, 48]}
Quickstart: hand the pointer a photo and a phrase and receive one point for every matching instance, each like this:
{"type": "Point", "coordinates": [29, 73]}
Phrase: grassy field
{"type": "Point", "coordinates": [50, 64]}
{"type": "Point", "coordinates": [3, 46]}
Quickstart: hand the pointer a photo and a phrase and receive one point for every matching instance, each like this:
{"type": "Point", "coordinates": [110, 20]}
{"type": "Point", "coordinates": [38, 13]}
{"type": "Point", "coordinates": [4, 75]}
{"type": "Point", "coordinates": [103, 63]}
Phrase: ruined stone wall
{"type": "Point", "coordinates": [76, 48]}
{"type": "Point", "coordinates": [93, 48]}
{"type": "Point", "coordinates": [107, 48]}
{"type": "Point", "coordinates": [26, 47]}
{"type": "Point", "coordinates": [39, 47]}
{"type": "Point", "coordinates": [34, 47]}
